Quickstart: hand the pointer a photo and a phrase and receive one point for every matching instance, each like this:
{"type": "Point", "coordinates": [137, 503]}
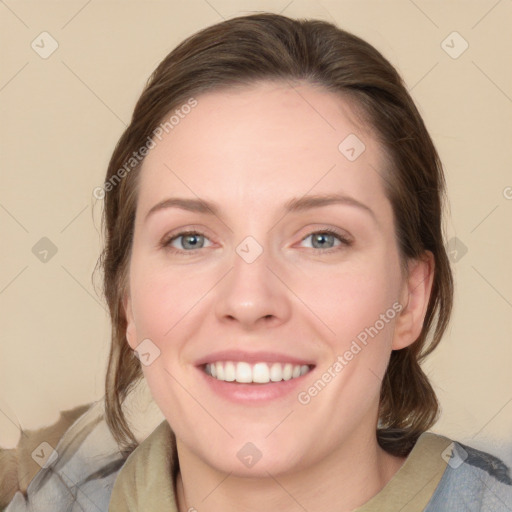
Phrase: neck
{"type": "Point", "coordinates": [346, 479]}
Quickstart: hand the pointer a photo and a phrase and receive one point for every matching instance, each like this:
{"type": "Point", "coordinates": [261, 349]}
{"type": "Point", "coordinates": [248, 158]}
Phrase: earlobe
{"type": "Point", "coordinates": [415, 299]}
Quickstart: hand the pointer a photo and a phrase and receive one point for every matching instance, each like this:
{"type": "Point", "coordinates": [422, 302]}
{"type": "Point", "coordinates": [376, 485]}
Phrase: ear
{"type": "Point", "coordinates": [415, 295]}
{"type": "Point", "coordinates": [131, 332]}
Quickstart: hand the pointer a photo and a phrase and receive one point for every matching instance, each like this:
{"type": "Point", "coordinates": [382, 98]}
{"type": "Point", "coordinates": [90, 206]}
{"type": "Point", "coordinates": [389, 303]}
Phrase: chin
{"type": "Point", "coordinates": [254, 459]}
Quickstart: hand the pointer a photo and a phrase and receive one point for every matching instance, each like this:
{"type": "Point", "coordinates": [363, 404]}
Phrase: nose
{"type": "Point", "coordinates": [253, 293]}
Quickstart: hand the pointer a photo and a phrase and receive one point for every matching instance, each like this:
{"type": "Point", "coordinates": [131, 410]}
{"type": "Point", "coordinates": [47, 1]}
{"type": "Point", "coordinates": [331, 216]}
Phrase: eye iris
{"type": "Point", "coordinates": [321, 237]}
{"type": "Point", "coordinates": [186, 239]}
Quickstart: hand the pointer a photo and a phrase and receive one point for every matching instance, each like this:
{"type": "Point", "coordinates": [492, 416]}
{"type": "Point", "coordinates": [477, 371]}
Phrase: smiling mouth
{"type": "Point", "coordinates": [259, 373]}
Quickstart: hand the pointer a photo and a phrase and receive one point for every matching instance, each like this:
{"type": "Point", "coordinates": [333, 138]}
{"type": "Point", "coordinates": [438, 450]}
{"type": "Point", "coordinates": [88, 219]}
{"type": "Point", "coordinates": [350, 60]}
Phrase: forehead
{"type": "Point", "coordinates": [266, 142]}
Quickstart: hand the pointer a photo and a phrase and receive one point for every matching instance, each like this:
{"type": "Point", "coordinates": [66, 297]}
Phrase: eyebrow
{"type": "Point", "coordinates": [293, 205]}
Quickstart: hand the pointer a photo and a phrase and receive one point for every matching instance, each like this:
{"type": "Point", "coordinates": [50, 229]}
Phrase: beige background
{"type": "Point", "coordinates": [62, 115]}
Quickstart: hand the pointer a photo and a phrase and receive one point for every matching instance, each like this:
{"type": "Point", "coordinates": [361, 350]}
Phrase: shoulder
{"type": "Point", "coordinates": [473, 481]}
{"type": "Point", "coordinates": [139, 466]}
{"type": "Point", "coordinates": [146, 479]}
{"type": "Point", "coordinates": [78, 473]}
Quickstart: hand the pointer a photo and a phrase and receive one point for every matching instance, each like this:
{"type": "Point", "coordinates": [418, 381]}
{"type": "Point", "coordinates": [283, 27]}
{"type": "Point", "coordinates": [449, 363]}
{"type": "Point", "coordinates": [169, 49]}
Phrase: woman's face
{"type": "Point", "coordinates": [260, 284]}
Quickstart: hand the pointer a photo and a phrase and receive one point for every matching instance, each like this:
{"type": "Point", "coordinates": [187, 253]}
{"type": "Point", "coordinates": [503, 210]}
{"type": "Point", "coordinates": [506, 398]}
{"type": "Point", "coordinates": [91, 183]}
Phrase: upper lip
{"type": "Point", "coordinates": [252, 357]}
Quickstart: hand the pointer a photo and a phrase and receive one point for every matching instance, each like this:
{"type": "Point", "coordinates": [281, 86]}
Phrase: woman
{"type": "Point", "coordinates": [276, 261]}
{"type": "Point", "coordinates": [274, 258]}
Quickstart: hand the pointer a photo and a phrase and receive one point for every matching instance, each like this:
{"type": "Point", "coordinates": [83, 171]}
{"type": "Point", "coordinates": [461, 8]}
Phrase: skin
{"type": "Point", "coordinates": [250, 150]}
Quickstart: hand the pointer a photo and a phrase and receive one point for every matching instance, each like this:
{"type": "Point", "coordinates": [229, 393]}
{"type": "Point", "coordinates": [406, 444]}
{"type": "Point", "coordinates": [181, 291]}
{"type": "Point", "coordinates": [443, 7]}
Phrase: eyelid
{"type": "Point", "coordinates": [340, 233]}
{"type": "Point", "coordinates": [177, 233]}
{"type": "Point", "coordinates": [344, 239]}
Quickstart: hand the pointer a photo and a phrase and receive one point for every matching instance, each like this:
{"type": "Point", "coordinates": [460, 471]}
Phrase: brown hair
{"type": "Point", "coordinates": [268, 46]}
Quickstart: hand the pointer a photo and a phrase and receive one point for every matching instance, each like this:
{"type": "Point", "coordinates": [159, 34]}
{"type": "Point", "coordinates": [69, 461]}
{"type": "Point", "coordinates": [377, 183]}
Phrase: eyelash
{"type": "Point", "coordinates": [165, 244]}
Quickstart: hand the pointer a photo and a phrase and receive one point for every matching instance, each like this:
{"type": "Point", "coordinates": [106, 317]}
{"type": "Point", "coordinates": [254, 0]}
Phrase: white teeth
{"type": "Point", "coordinates": [229, 372]}
{"type": "Point", "coordinates": [261, 373]}
{"type": "Point", "coordinates": [276, 372]}
{"type": "Point", "coordinates": [220, 371]}
{"type": "Point", "coordinates": [243, 372]}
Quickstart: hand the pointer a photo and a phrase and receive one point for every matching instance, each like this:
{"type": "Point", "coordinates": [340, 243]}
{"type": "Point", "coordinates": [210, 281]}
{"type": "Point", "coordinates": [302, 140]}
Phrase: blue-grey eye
{"type": "Point", "coordinates": [191, 240]}
{"type": "Point", "coordinates": [325, 240]}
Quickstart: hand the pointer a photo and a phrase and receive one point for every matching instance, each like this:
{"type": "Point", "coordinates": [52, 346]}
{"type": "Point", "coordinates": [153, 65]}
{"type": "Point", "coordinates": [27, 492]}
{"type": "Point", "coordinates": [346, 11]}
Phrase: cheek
{"type": "Point", "coordinates": [157, 301]}
{"type": "Point", "coordinates": [351, 300]}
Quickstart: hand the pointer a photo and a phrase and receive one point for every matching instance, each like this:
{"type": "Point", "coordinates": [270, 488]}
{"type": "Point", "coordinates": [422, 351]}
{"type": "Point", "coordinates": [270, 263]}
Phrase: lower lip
{"type": "Point", "coordinates": [253, 393]}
